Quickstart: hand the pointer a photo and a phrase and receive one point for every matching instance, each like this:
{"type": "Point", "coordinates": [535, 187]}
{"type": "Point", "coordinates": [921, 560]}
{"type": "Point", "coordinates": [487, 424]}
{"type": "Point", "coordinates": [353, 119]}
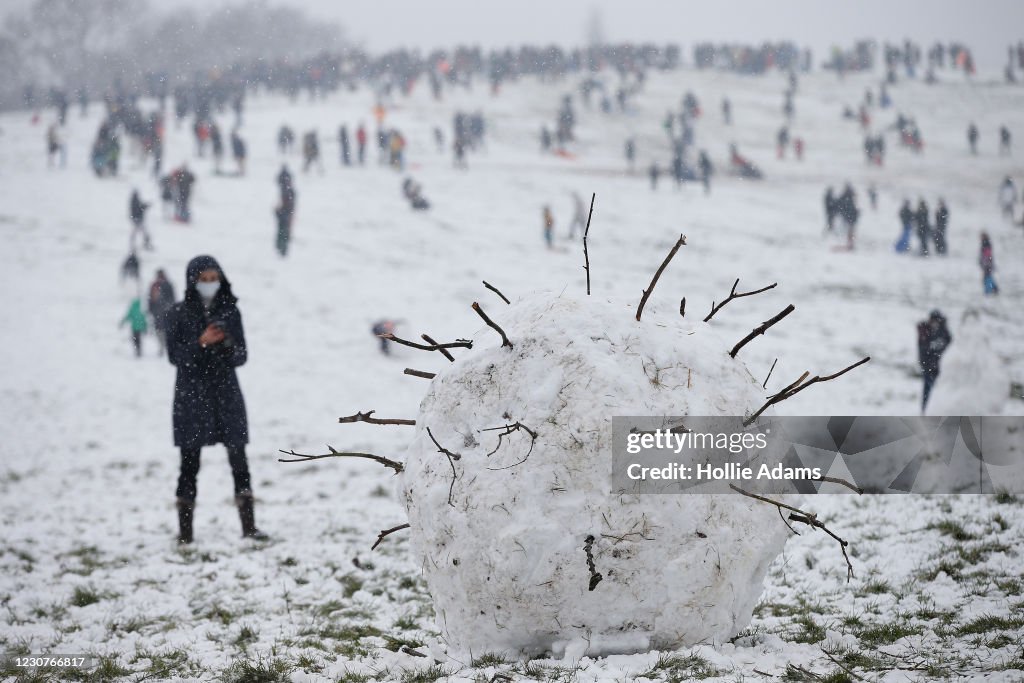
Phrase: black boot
{"type": "Point", "coordinates": [248, 517]}
{"type": "Point", "coordinates": [185, 510]}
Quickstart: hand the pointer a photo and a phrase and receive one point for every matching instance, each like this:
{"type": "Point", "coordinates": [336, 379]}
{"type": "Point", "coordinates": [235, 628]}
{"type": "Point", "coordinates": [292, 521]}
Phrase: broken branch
{"type": "Point", "coordinates": [444, 352]}
{"type": "Point", "coordinates": [452, 457]}
{"type": "Point", "coordinates": [682, 308]}
{"type": "Point", "coordinates": [734, 295]}
{"type": "Point", "coordinates": [419, 373]}
{"type": "Point", "coordinates": [492, 325]}
{"type": "Point", "coordinates": [796, 387]}
{"type": "Point", "coordinates": [808, 518]}
{"type": "Point", "coordinates": [495, 290]}
{"type": "Point", "coordinates": [300, 457]}
{"type": "Point", "coordinates": [761, 329]}
{"type": "Point", "coordinates": [368, 417]}
{"type": "Point", "coordinates": [508, 430]}
{"type": "Point", "coordinates": [459, 343]}
{"type": "Point", "coordinates": [387, 532]}
{"type": "Point", "coordinates": [654, 280]}
{"type": "Point", "coordinates": [770, 370]}
{"type": "Point", "coordinates": [586, 232]}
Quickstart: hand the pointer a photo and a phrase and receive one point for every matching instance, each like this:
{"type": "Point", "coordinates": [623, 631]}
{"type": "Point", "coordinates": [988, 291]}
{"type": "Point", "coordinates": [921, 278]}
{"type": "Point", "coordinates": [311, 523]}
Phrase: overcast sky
{"type": "Point", "coordinates": [986, 25]}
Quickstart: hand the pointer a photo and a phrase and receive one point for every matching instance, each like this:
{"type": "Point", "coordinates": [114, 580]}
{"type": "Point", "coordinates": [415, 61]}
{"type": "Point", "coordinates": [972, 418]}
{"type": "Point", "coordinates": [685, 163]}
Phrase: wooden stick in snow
{"type": "Point", "coordinates": [586, 232]}
{"type": "Point", "coordinates": [654, 280]}
{"type": "Point", "coordinates": [299, 457]}
{"type": "Point", "coordinates": [368, 417]}
{"type": "Point", "coordinates": [444, 352]}
{"type": "Point", "coordinates": [734, 295]}
{"type": "Point", "coordinates": [492, 325]}
{"type": "Point", "coordinates": [761, 329]}
{"type": "Point", "coordinates": [419, 373]}
{"type": "Point", "coordinates": [495, 290]}
{"type": "Point", "coordinates": [796, 387]}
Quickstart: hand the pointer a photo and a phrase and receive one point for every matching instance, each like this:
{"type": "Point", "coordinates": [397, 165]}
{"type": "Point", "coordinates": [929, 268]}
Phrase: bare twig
{"type": "Point", "coordinates": [657, 274]}
{"type": "Point", "coordinates": [458, 343]}
{"type": "Point", "coordinates": [586, 232]}
{"type": "Point", "coordinates": [419, 373]}
{"type": "Point", "coordinates": [508, 430]}
{"type": "Point", "coordinates": [300, 457]}
{"type": "Point", "coordinates": [770, 370]}
{"type": "Point", "coordinates": [760, 329]}
{"type": "Point", "coordinates": [387, 532]}
{"type": "Point", "coordinates": [841, 666]}
{"type": "Point", "coordinates": [444, 352]}
{"type": "Point", "coordinates": [368, 417]}
{"type": "Point", "coordinates": [808, 518]}
{"type": "Point", "coordinates": [495, 290]}
{"type": "Point", "coordinates": [682, 308]}
{"type": "Point", "coordinates": [595, 576]}
{"type": "Point", "coordinates": [796, 387]}
{"type": "Point", "coordinates": [492, 325]}
{"type": "Point", "coordinates": [452, 457]}
{"type": "Point", "coordinates": [734, 295]}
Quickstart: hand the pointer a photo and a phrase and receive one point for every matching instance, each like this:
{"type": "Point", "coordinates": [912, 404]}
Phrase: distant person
{"type": "Point", "coordinates": [1008, 197]}
{"type": "Point", "coordinates": [1004, 141]}
{"type": "Point", "coordinates": [654, 171]}
{"type": "Point", "coordinates": [206, 342]}
{"type": "Point", "coordinates": [238, 151]}
{"type": "Point", "coordinates": [136, 320]}
{"type": "Point", "coordinates": [130, 267]}
{"type": "Point", "coordinates": [726, 111]}
{"type": "Point", "coordinates": [343, 146]}
{"type": "Point", "coordinates": [361, 144]}
{"type": "Point", "coordinates": [933, 338]}
{"type": "Point", "coordinates": [972, 138]}
{"type": "Point", "coordinates": [549, 227]}
{"type": "Point", "coordinates": [161, 299]}
{"type": "Point", "coordinates": [923, 227]}
{"type": "Point", "coordinates": [907, 223]}
{"type": "Point", "coordinates": [941, 223]}
{"type": "Point", "coordinates": [706, 170]}
{"type": "Point", "coordinates": [384, 327]}
{"type": "Point", "coordinates": [986, 260]}
{"type": "Point", "coordinates": [217, 142]}
{"type": "Point", "coordinates": [137, 214]}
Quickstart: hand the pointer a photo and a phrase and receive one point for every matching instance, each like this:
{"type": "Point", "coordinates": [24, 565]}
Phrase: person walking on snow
{"type": "Point", "coordinates": [972, 137]}
{"type": "Point", "coordinates": [137, 321]}
{"type": "Point", "coordinates": [579, 217]}
{"type": "Point", "coordinates": [987, 261]}
{"type": "Point", "coordinates": [907, 222]}
{"type": "Point", "coordinates": [933, 338]}
{"type": "Point", "coordinates": [161, 299]}
{"type": "Point", "coordinates": [1008, 197]}
{"type": "Point", "coordinates": [206, 342]}
{"type": "Point", "coordinates": [549, 227]}
{"type": "Point", "coordinates": [137, 214]}
{"type": "Point", "coordinates": [941, 223]}
{"type": "Point", "coordinates": [923, 228]}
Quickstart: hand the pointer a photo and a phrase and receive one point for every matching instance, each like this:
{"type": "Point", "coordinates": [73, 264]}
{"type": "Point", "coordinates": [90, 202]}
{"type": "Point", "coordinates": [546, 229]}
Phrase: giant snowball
{"type": "Point", "coordinates": [503, 547]}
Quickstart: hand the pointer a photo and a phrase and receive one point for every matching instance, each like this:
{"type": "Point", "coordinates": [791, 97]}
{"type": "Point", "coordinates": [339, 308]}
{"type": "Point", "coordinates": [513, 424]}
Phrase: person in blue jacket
{"type": "Point", "coordinates": [206, 342]}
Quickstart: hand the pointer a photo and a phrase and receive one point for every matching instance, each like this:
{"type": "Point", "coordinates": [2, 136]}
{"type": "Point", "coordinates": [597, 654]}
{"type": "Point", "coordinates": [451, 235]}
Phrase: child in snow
{"type": "Point", "coordinates": [382, 327]}
{"type": "Point", "coordinates": [137, 319]}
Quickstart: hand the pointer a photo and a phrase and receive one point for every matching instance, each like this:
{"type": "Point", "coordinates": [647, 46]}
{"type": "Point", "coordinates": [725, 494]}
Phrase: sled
{"type": "Point", "coordinates": [564, 154]}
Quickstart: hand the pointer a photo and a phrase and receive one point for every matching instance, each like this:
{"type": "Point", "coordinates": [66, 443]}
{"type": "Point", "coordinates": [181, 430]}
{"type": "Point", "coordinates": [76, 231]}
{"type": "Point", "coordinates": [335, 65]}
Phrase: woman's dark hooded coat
{"type": "Point", "coordinates": [208, 403]}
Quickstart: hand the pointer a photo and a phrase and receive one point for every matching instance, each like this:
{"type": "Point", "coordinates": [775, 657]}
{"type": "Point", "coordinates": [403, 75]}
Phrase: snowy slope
{"type": "Point", "coordinates": [88, 470]}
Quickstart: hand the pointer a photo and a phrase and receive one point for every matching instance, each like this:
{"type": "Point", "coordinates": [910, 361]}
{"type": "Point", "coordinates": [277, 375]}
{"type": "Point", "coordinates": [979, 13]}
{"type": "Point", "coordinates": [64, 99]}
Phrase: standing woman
{"type": "Point", "coordinates": [206, 342]}
{"type": "Point", "coordinates": [987, 262]}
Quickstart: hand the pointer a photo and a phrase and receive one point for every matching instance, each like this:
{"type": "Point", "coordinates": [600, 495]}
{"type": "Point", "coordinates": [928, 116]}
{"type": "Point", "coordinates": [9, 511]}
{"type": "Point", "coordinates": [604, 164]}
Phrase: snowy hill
{"type": "Point", "coordinates": [86, 483]}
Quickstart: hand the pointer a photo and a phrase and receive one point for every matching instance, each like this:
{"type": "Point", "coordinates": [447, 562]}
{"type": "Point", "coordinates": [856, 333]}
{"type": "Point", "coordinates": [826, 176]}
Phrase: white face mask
{"type": "Point", "coordinates": [208, 289]}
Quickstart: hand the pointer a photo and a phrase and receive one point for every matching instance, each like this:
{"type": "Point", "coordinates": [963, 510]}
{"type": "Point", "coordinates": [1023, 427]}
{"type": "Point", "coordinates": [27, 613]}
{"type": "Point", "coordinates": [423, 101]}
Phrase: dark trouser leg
{"type": "Point", "coordinates": [239, 469]}
{"type": "Point", "coordinates": [137, 342]}
{"type": "Point", "coordinates": [189, 471]}
{"type": "Point", "coordinates": [186, 492]}
{"type": "Point", "coordinates": [929, 382]}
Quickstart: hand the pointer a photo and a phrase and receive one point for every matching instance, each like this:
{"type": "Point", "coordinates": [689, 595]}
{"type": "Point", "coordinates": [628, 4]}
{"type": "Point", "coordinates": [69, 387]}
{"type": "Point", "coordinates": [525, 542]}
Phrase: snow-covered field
{"type": "Point", "coordinates": [88, 561]}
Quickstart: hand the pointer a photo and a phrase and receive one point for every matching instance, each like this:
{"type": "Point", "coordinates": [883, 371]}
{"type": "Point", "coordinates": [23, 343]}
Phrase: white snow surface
{"type": "Point", "coordinates": [87, 469]}
{"type": "Point", "coordinates": [502, 531]}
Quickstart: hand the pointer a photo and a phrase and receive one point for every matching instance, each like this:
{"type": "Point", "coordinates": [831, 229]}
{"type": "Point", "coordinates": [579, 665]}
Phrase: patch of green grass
{"type": "Point", "coordinates": [428, 675]}
{"type": "Point", "coordinates": [84, 596]}
{"type": "Point", "coordinates": [1010, 585]}
{"type": "Point", "coordinates": [406, 623]}
{"type": "Point", "coordinates": [489, 659]}
{"type": "Point", "coordinates": [408, 583]}
{"type": "Point", "coordinates": [676, 667]}
{"type": "Point", "coordinates": [979, 553]}
{"type": "Point", "coordinates": [350, 584]}
{"type": "Point", "coordinates": [260, 670]}
{"type": "Point", "coordinates": [953, 529]}
{"type": "Point", "coordinates": [1004, 497]}
{"type": "Point", "coordinates": [380, 492]}
{"type": "Point", "coordinates": [876, 587]}
{"type": "Point", "coordinates": [163, 664]}
{"type": "Point", "coordinates": [289, 562]}
{"type": "Point", "coordinates": [309, 663]}
{"type": "Point", "coordinates": [1000, 521]}
{"type": "Point", "coordinates": [328, 608]}
{"type": "Point", "coordinates": [885, 634]}
{"type": "Point", "coordinates": [988, 622]}
{"type": "Point", "coordinates": [246, 635]}
{"type": "Point", "coordinates": [127, 625]}
{"type": "Point", "coordinates": [809, 631]}
{"type": "Point", "coordinates": [107, 669]}
{"type": "Point", "coordinates": [353, 677]}
{"type": "Point", "coordinates": [218, 614]}
{"type": "Point", "coordinates": [953, 569]}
